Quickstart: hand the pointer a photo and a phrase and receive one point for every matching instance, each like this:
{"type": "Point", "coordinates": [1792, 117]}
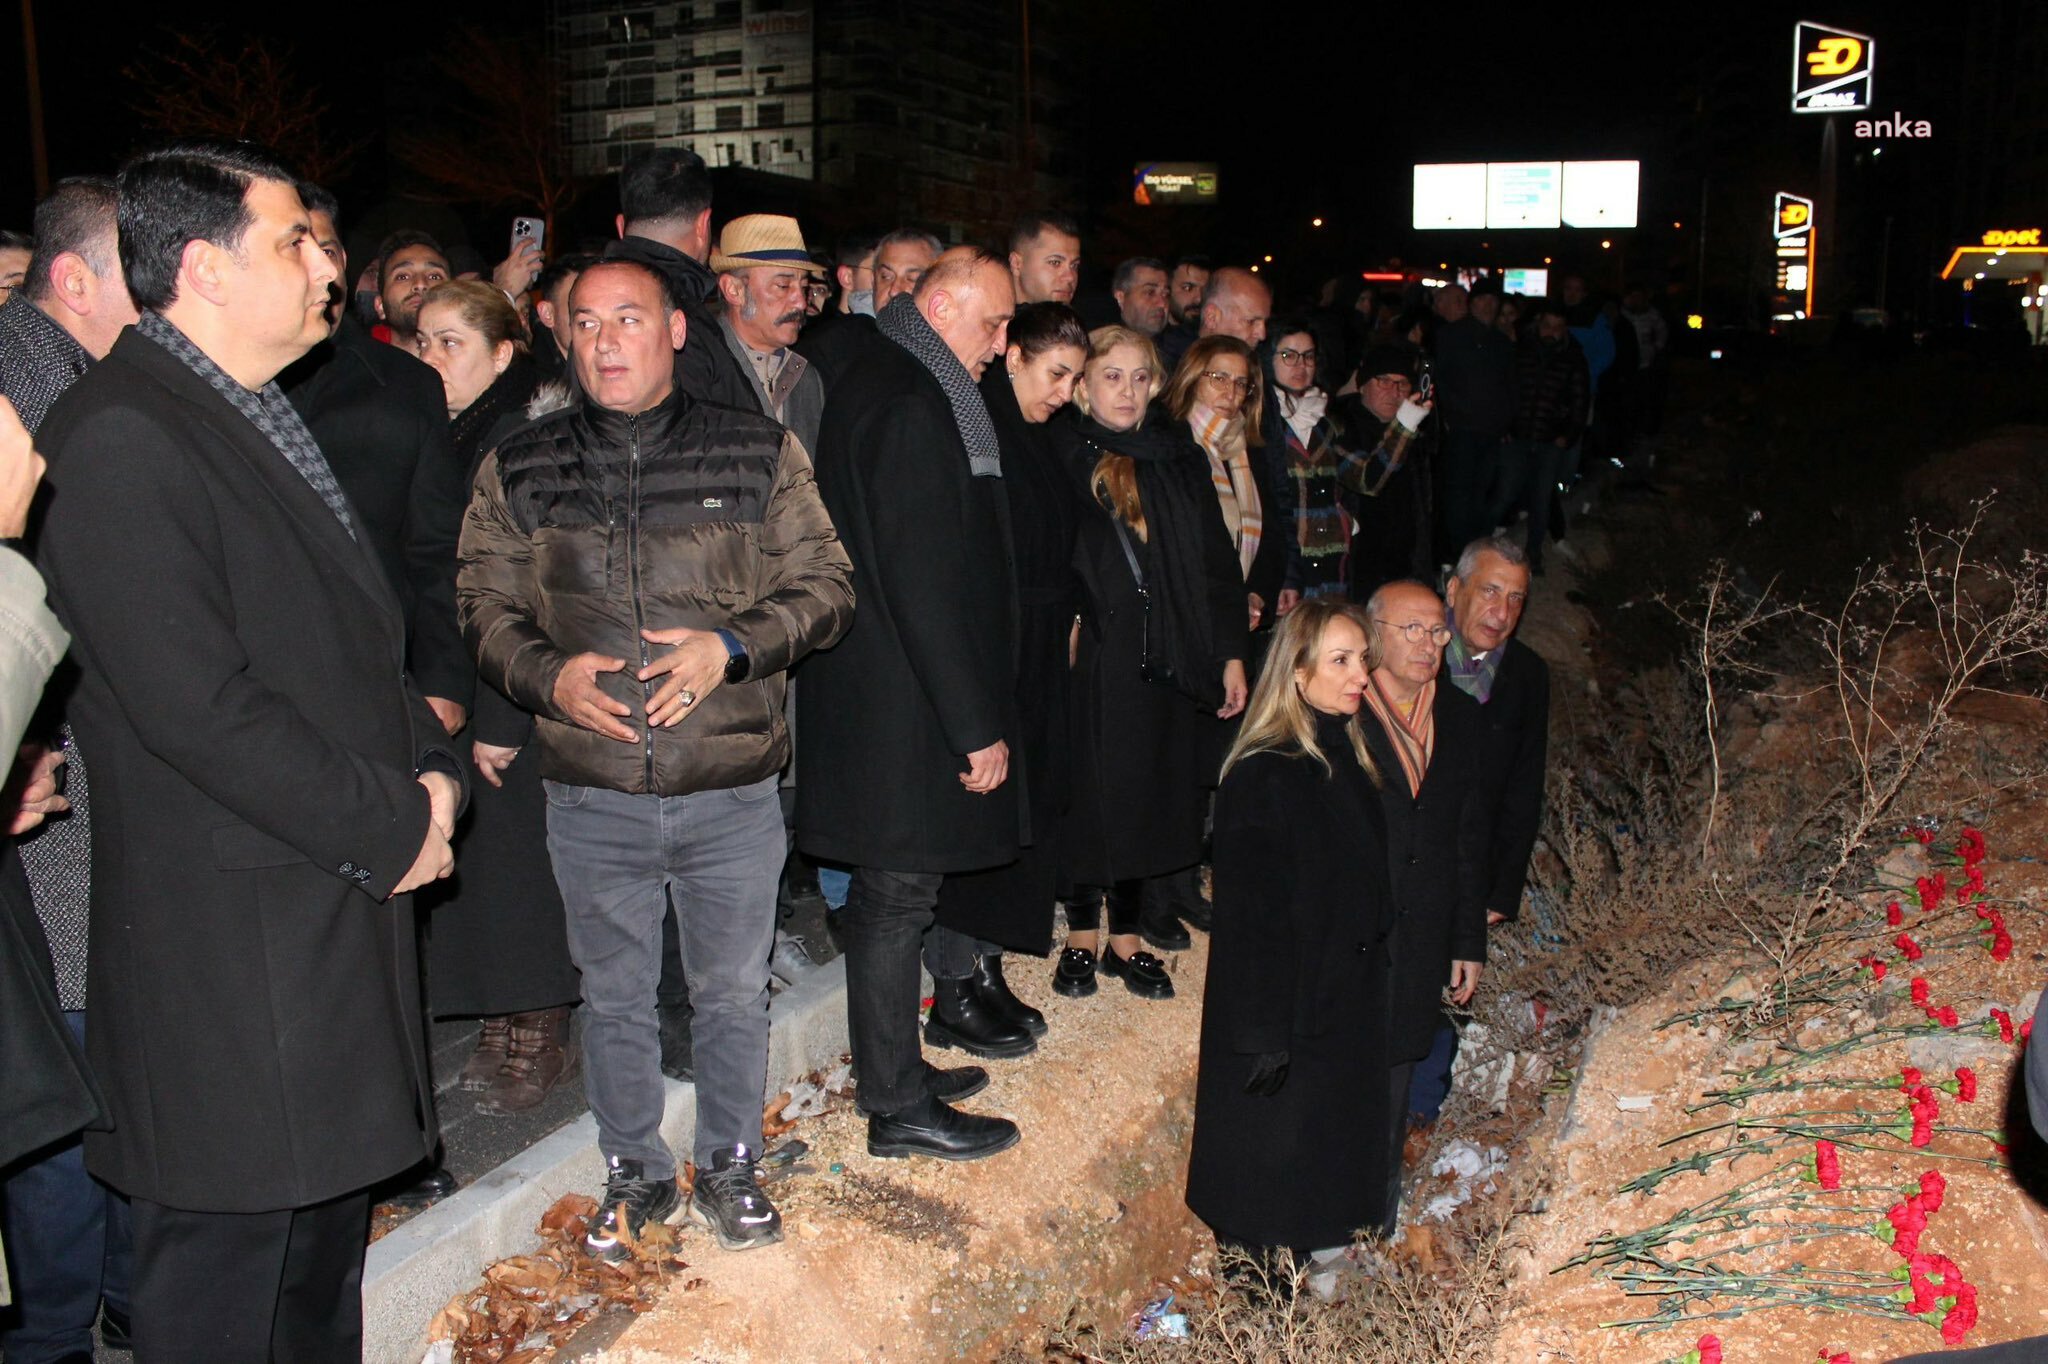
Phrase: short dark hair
{"type": "Point", "coordinates": [319, 199]}
{"type": "Point", "coordinates": [1290, 325]}
{"type": "Point", "coordinates": [1025, 230]}
{"type": "Point", "coordinates": [1194, 263]}
{"type": "Point", "coordinates": [561, 268]}
{"type": "Point", "coordinates": [669, 302]}
{"type": "Point", "coordinates": [855, 247]}
{"type": "Point", "coordinates": [1128, 271]}
{"type": "Point", "coordinates": [398, 241]}
{"type": "Point", "coordinates": [76, 217]}
{"type": "Point", "coordinates": [1039, 327]}
{"type": "Point", "coordinates": [186, 192]}
{"type": "Point", "coordinates": [663, 183]}
{"type": "Point", "coordinates": [10, 240]}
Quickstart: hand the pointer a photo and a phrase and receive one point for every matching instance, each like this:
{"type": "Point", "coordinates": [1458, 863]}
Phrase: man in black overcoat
{"type": "Point", "coordinates": [1429, 741]}
{"type": "Point", "coordinates": [1511, 683]}
{"type": "Point", "coordinates": [268, 783]}
{"type": "Point", "coordinates": [907, 723]}
{"type": "Point", "coordinates": [381, 418]}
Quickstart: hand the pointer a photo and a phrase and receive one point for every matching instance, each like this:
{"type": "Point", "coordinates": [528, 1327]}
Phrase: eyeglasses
{"type": "Point", "coordinates": [1415, 631]}
{"type": "Point", "coordinates": [1222, 380]}
{"type": "Point", "coordinates": [1295, 357]}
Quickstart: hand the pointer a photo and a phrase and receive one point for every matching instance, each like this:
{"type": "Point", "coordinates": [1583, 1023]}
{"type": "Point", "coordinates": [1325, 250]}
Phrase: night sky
{"type": "Point", "coordinates": [1312, 110]}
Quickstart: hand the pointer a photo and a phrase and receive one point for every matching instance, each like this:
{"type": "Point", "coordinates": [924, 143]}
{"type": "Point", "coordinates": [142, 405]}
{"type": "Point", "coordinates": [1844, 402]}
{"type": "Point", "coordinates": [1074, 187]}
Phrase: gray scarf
{"type": "Point", "coordinates": [902, 323]}
{"type": "Point", "coordinates": [268, 410]}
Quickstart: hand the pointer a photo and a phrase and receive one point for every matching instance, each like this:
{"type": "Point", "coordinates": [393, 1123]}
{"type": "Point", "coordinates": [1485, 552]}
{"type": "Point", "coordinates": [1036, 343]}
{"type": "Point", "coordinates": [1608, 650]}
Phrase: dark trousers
{"type": "Point", "coordinates": [1084, 910]}
{"type": "Point", "coordinates": [1471, 465]}
{"type": "Point", "coordinates": [1432, 1083]}
{"type": "Point", "coordinates": [884, 922]}
{"type": "Point", "coordinates": [1398, 1080]}
{"type": "Point", "coordinates": [1529, 470]}
{"type": "Point", "coordinates": [68, 1247]}
{"type": "Point", "coordinates": [950, 954]}
{"type": "Point", "coordinates": [250, 1288]}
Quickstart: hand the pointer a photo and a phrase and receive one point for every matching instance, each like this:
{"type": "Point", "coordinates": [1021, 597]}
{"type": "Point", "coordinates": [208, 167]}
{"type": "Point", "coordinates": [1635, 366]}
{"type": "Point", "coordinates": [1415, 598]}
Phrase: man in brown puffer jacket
{"type": "Point", "coordinates": [639, 569]}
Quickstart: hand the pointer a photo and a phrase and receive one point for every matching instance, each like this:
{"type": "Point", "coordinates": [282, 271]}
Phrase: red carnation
{"type": "Point", "coordinates": [1970, 846]}
{"type": "Point", "coordinates": [1926, 1296]}
{"type": "Point", "coordinates": [1962, 1316]}
{"type": "Point", "coordinates": [2001, 945]}
{"type": "Point", "coordinates": [1904, 942]}
{"type": "Point", "coordinates": [1827, 1165]}
{"type": "Point", "coordinates": [1966, 1084]}
{"type": "Point", "coordinates": [2004, 1021]}
{"type": "Point", "coordinates": [1933, 1188]}
{"type": "Point", "coordinates": [1948, 1016]}
{"type": "Point", "coordinates": [1925, 836]}
{"type": "Point", "coordinates": [1920, 991]}
{"type": "Point", "coordinates": [1908, 1221]}
{"type": "Point", "coordinates": [1893, 915]}
{"type": "Point", "coordinates": [1841, 1357]}
{"type": "Point", "coordinates": [1710, 1350]}
{"type": "Point", "coordinates": [1877, 967]}
{"type": "Point", "coordinates": [1975, 875]}
{"type": "Point", "coordinates": [1910, 1079]}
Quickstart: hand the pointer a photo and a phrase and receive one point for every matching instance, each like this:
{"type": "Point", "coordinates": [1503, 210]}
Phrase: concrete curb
{"type": "Point", "coordinates": [413, 1272]}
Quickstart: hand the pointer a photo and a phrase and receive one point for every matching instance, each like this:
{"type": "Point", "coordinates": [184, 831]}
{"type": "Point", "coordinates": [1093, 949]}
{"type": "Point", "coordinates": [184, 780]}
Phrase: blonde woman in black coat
{"type": "Point", "coordinates": [1295, 1100]}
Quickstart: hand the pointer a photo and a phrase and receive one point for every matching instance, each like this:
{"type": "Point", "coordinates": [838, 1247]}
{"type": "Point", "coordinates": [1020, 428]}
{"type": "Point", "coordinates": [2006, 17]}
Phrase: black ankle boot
{"type": "Point", "coordinates": [987, 982]}
{"type": "Point", "coordinates": [960, 1019]}
{"type": "Point", "coordinates": [931, 1128]}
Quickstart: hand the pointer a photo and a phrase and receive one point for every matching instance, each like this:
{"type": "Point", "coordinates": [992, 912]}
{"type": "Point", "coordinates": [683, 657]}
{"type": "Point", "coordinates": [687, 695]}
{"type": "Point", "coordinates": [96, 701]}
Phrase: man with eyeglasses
{"type": "Point", "coordinates": [1428, 741]}
{"type": "Point", "coordinates": [1511, 683]}
{"type": "Point", "coordinates": [1388, 466]}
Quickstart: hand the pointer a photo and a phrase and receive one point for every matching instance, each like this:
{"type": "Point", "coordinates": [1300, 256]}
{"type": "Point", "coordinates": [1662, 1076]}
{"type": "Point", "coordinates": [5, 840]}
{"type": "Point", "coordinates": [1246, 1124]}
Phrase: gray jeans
{"type": "Point", "coordinates": [619, 858]}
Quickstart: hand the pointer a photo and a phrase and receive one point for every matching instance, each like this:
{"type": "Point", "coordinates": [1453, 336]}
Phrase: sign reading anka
{"type": "Point", "coordinates": [1511, 194]}
{"type": "Point", "coordinates": [1833, 70]}
{"type": "Point", "coordinates": [1174, 182]}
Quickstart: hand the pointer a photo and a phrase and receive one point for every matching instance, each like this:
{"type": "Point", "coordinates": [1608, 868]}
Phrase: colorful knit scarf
{"type": "Point", "coordinates": [1415, 737]}
{"type": "Point", "coordinates": [1471, 673]}
{"type": "Point", "coordinates": [1230, 469]}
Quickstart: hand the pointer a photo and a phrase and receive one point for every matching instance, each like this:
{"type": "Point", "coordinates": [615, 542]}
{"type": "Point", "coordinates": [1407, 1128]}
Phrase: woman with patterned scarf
{"type": "Point", "coordinates": [1314, 436]}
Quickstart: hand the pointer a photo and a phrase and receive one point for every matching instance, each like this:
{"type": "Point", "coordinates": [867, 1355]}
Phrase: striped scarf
{"type": "Point", "coordinates": [1414, 738]}
{"type": "Point", "coordinates": [1230, 469]}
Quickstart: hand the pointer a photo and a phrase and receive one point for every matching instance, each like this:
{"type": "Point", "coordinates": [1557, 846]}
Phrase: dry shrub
{"type": "Point", "coordinates": [1439, 1300]}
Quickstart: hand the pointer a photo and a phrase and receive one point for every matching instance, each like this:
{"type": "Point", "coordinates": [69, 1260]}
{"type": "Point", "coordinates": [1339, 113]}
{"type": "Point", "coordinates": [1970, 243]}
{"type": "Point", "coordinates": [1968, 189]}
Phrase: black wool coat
{"type": "Point", "coordinates": [832, 344]}
{"type": "Point", "coordinates": [1517, 719]}
{"type": "Point", "coordinates": [927, 672]}
{"type": "Point", "coordinates": [1437, 844]}
{"type": "Point", "coordinates": [381, 418]}
{"type": "Point", "coordinates": [254, 742]}
{"type": "Point", "coordinates": [1297, 963]}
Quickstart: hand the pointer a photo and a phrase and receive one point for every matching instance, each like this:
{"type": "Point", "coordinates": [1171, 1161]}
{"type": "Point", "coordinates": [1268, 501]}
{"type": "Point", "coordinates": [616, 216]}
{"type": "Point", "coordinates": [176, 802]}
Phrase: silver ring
{"type": "Point", "coordinates": [687, 697]}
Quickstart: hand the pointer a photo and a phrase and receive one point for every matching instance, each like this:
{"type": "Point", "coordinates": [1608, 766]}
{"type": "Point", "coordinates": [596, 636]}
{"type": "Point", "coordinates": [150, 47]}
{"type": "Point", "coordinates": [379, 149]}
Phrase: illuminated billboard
{"type": "Point", "coordinates": [1518, 194]}
{"type": "Point", "coordinates": [1832, 69]}
{"type": "Point", "coordinates": [1174, 182]}
{"type": "Point", "coordinates": [1792, 243]}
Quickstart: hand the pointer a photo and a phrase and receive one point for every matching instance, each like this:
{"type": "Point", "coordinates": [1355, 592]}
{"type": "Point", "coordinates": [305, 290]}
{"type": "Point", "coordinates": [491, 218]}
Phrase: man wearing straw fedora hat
{"type": "Point", "coordinates": [751, 323]}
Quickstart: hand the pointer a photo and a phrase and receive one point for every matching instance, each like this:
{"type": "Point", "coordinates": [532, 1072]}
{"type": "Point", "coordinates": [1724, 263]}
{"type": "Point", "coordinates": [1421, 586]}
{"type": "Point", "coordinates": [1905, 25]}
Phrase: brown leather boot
{"type": "Point", "coordinates": [541, 1058]}
{"type": "Point", "coordinates": [493, 1043]}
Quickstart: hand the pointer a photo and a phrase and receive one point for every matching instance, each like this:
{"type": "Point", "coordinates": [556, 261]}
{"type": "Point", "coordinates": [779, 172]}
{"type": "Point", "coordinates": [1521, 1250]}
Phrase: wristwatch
{"type": "Point", "coordinates": [737, 664]}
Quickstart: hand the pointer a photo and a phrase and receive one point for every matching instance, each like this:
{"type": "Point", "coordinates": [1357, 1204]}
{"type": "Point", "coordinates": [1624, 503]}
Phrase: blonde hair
{"type": "Point", "coordinates": [1279, 719]}
{"type": "Point", "coordinates": [483, 308]}
{"type": "Point", "coordinates": [1180, 390]}
{"type": "Point", "coordinates": [1115, 479]}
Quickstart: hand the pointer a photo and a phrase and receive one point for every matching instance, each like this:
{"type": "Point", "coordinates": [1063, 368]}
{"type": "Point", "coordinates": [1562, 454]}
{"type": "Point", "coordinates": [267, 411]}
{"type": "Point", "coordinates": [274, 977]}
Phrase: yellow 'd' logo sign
{"type": "Point", "coordinates": [1794, 213]}
{"type": "Point", "coordinates": [1836, 56]}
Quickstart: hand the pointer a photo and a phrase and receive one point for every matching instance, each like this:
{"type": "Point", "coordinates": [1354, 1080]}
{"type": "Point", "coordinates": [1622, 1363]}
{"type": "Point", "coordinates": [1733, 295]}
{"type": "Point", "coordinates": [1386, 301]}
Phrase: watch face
{"type": "Point", "coordinates": [736, 668]}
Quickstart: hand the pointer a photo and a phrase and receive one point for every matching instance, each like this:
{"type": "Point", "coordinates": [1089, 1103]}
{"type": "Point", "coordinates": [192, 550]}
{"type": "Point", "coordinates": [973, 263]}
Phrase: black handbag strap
{"type": "Point", "coordinates": [1123, 538]}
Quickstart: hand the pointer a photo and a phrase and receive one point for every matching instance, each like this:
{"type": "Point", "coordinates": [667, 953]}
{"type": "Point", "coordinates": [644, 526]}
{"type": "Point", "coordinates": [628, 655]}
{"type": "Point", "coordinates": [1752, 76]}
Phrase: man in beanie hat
{"type": "Point", "coordinates": [743, 333]}
{"type": "Point", "coordinates": [1389, 467]}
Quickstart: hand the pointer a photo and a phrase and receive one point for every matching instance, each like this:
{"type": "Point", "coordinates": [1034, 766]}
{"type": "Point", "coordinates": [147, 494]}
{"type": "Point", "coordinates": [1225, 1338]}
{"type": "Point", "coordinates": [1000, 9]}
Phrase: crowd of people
{"type": "Point", "coordinates": [526, 634]}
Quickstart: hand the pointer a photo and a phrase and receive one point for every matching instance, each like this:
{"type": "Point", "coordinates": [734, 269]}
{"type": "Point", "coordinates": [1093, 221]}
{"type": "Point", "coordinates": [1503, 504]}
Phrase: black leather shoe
{"type": "Point", "coordinates": [933, 1129]}
{"type": "Point", "coordinates": [114, 1332]}
{"type": "Point", "coordinates": [1074, 974]}
{"type": "Point", "coordinates": [1178, 894]}
{"type": "Point", "coordinates": [960, 1019]}
{"type": "Point", "coordinates": [953, 1085]}
{"type": "Point", "coordinates": [430, 1186]}
{"type": "Point", "coordinates": [1142, 973]}
{"type": "Point", "coordinates": [989, 986]}
{"type": "Point", "coordinates": [678, 1058]}
{"type": "Point", "coordinates": [1162, 930]}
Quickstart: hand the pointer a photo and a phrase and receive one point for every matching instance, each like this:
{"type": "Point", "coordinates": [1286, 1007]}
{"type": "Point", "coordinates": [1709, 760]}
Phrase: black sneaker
{"type": "Point", "coordinates": [727, 1198]}
{"type": "Point", "coordinates": [1142, 973]}
{"type": "Point", "coordinates": [629, 1202]}
{"type": "Point", "coordinates": [1074, 976]}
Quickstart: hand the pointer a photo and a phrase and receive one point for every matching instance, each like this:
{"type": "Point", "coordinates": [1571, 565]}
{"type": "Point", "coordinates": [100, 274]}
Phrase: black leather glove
{"type": "Point", "coordinates": [1269, 1073]}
